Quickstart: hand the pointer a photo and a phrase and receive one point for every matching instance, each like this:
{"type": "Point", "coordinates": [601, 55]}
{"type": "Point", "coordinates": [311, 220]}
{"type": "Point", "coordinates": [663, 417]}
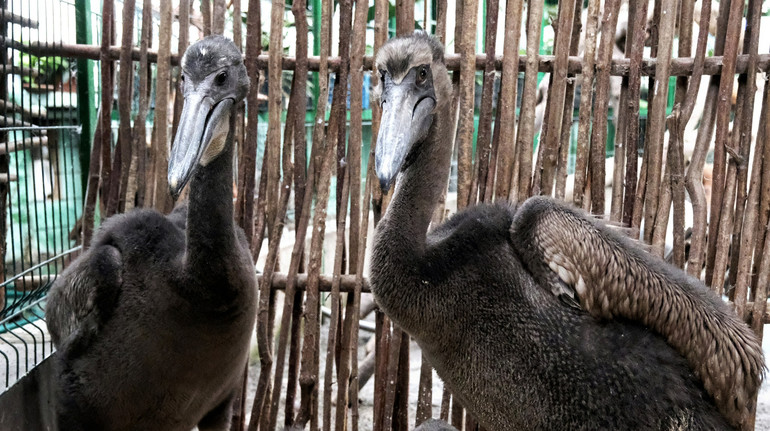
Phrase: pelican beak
{"type": "Point", "coordinates": [201, 121]}
{"type": "Point", "coordinates": [407, 114]}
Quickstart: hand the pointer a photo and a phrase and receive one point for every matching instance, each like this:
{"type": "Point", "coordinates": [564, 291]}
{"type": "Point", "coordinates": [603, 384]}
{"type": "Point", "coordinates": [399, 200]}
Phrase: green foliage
{"type": "Point", "coordinates": [47, 67]}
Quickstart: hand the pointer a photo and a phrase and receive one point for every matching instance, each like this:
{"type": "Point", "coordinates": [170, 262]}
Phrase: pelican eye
{"type": "Point", "coordinates": [423, 72]}
{"type": "Point", "coordinates": [221, 78]}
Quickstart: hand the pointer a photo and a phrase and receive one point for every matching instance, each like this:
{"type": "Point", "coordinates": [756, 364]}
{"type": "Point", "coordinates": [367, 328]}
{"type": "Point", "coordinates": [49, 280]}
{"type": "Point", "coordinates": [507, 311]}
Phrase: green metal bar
{"type": "Point", "coordinates": [316, 46]}
{"type": "Point", "coordinates": [86, 109]}
{"type": "Point", "coordinates": [434, 16]}
{"type": "Point", "coordinates": [483, 27]}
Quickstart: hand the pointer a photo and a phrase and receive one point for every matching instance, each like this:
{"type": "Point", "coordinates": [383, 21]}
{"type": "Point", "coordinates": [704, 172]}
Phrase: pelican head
{"type": "Point", "coordinates": [213, 80]}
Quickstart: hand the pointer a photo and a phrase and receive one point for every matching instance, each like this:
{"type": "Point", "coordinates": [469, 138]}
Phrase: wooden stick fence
{"type": "Point", "coordinates": [495, 161]}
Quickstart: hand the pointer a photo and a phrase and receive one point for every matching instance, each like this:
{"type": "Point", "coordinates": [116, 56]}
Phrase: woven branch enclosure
{"type": "Point", "coordinates": [530, 121]}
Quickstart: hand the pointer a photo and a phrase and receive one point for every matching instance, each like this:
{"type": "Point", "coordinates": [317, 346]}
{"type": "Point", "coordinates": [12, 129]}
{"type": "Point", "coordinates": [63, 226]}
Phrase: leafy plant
{"type": "Point", "coordinates": [47, 67]}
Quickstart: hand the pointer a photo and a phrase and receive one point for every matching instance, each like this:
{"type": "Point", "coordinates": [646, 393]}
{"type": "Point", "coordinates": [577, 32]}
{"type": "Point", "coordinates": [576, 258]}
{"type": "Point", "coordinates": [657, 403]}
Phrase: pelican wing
{"type": "Point", "coordinates": [83, 297]}
{"type": "Point", "coordinates": [610, 276]}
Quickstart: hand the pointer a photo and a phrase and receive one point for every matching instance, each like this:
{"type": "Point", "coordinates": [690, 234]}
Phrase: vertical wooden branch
{"type": "Point", "coordinates": [206, 13]}
{"type": "Point", "coordinates": [738, 149]}
{"type": "Point", "coordinates": [634, 51]}
{"type": "Point", "coordinates": [296, 259]}
{"type": "Point", "coordinates": [265, 319]}
{"type": "Point", "coordinates": [694, 177]}
{"type": "Point", "coordinates": [237, 25]}
{"type": "Point", "coordinates": [349, 344]}
{"type": "Point", "coordinates": [599, 129]}
{"type": "Point", "coordinates": [719, 198]}
{"type": "Point", "coordinates": [105, 117]}
{"type": "Point", "coordinates": [392, 375]}
{"type": "Point", "coordinates": [746, 94]}
{"type": "Point", "coordinates": [382, 324]}
{"type": "Point", "coordinates": [294, 127]}
{"type": "Point", "coordinates": [139, 154]}
{"type": "Point", "coordinates": [244, 205]}
{"type": "Point", "coordinates": [383, 337]}
{"type": "Point", "coordinates": [676, 147]}
{"type": "Point", "coordinates": [620, 154]}
{"type": "Point", "coordinates": [401, 415]}
{"type": "Point", "coordinates": [467, 101]}
{"type": "Point", "coordinates": [358, 49]}
{"type": "Point", "coordinates": [336, 138]}
{"type": "Point", "coordinates": [764, 190]}
{"type": "Point", "coordinates": [299, 88]}
{"type": "Point", "coordinates": [218, 17]}
{"type": "Point", "coordinates": [492, 171]}
{"type": "Point", "coordinates": [354, 323]}
{"type": "Point", "coordinates": [184, 36]}
{"type": "Point", "coordinates": [763, 235]}
{"type": "Point", "coordinates": [441, 8]}
{"type": "Point", "coordinates": [273, 143]}
{"type": "Point", "coordinates": [744, 238]}
{"type": "Point", "coordinates": [246, 196]}
{"type": "Point", "coordinates": [342, 373]}
{"type": "Point", "coordinates": [760, 299]}
{"type": "Point", "coordinates": [484, 138]}
{"type": "Point", "coordinates": [569, 111]}
{"type": "Point", "coordinates": [587, 82]}
{"type": "Point", "coordinates": [338, 114]}
{"type": "Point", "coordinates": [404, 17]}
{"type": "Point", "coordinates": [163, 202]}
{"type": "Point", "coordinates": [302, 198]}
{"type": "Point", "coordinates": [506, 104]}
{"type": "Point", "coordinates": [309, 375]}
{"type": "Point", "coordinates": [551, 135]}
{"type": "Point", "coordinates": [102, 135]}
{"type": "Point", "coordinates": [121, 165]}
{"type": "Point", "coordinates": [658, 198]}
{"type": "Point", "coordinates": [526, 132]}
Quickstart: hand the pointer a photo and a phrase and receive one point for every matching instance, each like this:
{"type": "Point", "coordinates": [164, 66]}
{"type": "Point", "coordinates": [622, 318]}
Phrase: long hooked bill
{"type": "Point", "coordinates": [198, 121]}
{"type": "Point", "coordinates": [406, 118]}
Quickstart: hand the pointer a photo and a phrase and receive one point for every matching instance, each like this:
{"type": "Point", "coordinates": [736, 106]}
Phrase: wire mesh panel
{"type": "Point", "coordinates": [41, 183]}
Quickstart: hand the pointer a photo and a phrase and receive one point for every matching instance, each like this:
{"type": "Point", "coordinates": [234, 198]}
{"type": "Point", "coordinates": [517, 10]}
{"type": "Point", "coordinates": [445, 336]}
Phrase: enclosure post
{"type": "Point", "coordinates": [86, 111]}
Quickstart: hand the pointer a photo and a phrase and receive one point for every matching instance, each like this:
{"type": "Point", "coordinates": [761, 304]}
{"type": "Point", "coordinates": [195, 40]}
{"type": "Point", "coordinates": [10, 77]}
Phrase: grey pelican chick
{"type": "Point", "coordinates": [537, 316]}
{"type": "Point", "coordinates": [152, 323]}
